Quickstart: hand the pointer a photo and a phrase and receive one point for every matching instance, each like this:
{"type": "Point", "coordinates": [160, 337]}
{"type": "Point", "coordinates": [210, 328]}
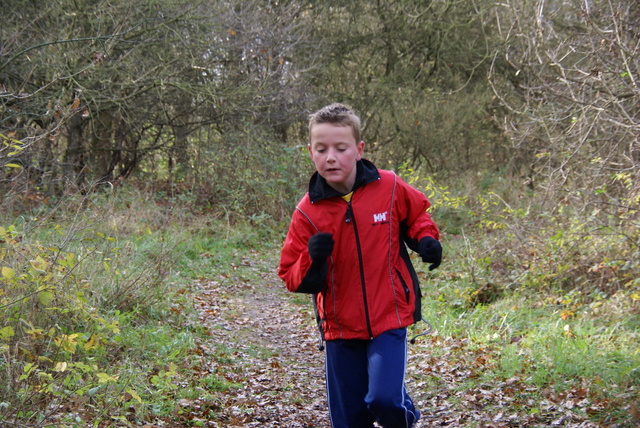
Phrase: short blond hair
{"type": "Point", "coordinates": [338, 114]}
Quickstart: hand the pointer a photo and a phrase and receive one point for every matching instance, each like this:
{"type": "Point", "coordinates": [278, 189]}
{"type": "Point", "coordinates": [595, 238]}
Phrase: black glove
{"type": "Point", "coordinates": [320, 247]}
{"type": "Point", "coordinates": [431, 251]}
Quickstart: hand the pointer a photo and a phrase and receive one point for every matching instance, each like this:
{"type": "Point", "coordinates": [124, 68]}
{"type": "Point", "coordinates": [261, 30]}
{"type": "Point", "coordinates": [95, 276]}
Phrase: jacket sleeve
{"type": "Point", "coordinates": [295, 262]}
{"type": "Point", "coordinates": [416, 223]}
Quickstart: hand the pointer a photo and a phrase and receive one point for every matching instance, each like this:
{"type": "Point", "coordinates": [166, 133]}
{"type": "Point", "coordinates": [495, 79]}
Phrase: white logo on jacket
{"type": "Point", "coordinates": [381, 217]}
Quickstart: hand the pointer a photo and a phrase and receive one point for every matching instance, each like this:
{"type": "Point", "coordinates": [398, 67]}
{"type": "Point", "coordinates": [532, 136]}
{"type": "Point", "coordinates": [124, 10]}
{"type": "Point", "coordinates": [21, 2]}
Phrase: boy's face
{"type": "Point", "coordinates": [335, 151]}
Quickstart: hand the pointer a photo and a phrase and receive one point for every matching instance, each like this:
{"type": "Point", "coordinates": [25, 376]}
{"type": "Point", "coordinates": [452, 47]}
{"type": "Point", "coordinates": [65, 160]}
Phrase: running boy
{"type": "Point", "coordinates": [346, 245]}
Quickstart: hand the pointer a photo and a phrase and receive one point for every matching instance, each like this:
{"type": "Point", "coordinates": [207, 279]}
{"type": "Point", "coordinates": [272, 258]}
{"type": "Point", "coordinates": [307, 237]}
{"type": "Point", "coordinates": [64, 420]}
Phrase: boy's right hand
{"type": "Point", "coordinates": [320, 246]}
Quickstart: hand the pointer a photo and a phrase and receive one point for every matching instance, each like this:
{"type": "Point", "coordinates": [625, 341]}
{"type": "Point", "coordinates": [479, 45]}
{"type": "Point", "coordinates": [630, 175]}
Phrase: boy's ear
{"type": "Point", "coordinates": [360, 147]}
{"type": "Point", "coordinates": [309, 149]}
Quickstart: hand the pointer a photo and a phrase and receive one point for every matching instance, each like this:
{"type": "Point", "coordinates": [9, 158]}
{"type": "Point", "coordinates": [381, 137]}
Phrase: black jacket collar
{"type": "Point", "coordinates": [366, 172]}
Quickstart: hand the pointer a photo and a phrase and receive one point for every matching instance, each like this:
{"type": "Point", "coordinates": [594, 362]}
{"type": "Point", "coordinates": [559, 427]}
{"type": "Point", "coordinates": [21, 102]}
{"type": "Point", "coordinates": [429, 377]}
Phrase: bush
{"type": "Point", "coordinates": [75, 286]}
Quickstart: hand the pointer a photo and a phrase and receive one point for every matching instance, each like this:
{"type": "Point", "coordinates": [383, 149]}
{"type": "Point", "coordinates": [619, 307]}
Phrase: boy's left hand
{"type": "Point", "coordinates": [431, 251]}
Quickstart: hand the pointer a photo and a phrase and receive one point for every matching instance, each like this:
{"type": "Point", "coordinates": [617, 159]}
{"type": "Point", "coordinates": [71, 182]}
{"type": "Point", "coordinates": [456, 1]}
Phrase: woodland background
{"type": "Point", "coordinates": [144, 145]}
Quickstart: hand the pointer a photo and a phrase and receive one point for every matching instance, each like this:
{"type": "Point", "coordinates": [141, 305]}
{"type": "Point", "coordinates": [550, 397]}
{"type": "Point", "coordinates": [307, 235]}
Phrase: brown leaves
{"type": "Point", "coordinates": [455, 384]}
{"type": "Point", "coordinates": [98, 58]}
{"type": "Point", "coordinates": [271, 355]}
{"type": "Point", "coordinates": [634, 411]}
{"type": "Point", "coordinates": [272, 344]}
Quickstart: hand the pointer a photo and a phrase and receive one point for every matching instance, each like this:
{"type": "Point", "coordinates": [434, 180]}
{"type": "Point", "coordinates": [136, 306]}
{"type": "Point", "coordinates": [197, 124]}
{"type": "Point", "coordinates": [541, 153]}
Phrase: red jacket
{"type": "Point", "coordinates": [370, 286]}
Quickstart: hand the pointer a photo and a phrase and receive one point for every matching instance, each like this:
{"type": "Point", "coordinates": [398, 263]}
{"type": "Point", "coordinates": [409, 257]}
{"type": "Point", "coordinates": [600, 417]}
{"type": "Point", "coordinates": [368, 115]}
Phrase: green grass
{"type": "Point", "coordinates": [99, 297]}
{"type": "Point", "coordinates": [96, 311]}
{"type": "Point", "coordinates": [528, 336]}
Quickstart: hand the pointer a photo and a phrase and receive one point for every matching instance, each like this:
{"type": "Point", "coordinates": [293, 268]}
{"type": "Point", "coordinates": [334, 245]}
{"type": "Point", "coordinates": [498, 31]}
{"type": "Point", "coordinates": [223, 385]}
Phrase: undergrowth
{"type": "Point", "coordinates": [552, 291]}
{"type": "Point", "coordinates": [96, 300]}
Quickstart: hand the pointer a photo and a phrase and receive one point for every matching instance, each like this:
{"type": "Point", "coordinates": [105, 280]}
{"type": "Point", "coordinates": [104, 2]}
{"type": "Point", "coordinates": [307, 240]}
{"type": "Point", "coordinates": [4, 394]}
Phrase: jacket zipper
{"type": "Point", "coordinates": [405, 287]}
{"type": "Point", "coordinates": [350, 218]}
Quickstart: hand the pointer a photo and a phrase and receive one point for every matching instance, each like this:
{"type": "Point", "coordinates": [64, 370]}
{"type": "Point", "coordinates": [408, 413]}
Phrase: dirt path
{"type": "Point", "coordinates": [272, 350]}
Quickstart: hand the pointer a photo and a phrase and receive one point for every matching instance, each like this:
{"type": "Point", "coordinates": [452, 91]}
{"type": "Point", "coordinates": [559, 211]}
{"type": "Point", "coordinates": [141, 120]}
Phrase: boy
{"type": "Point", "coordinates": [345, 245]}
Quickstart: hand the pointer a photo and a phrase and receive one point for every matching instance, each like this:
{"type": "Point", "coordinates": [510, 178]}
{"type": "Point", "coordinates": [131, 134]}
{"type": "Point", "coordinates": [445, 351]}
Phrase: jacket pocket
{"type": "Point", "coordinates": [405, 287]}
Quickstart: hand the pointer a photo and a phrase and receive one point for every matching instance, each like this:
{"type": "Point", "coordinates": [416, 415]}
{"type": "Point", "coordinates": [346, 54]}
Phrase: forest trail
{"type": "Point", "coordinates": [273, 349]}
{"type": "Point", "coordinates": [264, 342]}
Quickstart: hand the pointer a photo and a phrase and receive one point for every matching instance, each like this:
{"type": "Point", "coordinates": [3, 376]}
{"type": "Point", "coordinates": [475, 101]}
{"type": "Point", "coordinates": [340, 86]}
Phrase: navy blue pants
{"type": "Point", "coordinates": [365, 382]}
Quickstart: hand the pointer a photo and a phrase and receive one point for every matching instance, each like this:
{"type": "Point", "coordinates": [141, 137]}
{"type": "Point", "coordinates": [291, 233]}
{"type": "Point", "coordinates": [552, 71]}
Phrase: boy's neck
{"type": "Point", "coordinates": [347, 188]}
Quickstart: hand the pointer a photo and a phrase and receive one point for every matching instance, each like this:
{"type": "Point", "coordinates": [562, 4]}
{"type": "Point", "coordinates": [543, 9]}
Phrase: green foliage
{"type": "Point", "coordinates": [515, 242]}
{"type": "Point", "coordinates": [96, 305]}
{"type": "Point", "coordinates": [54, 327]}
{"type": "Point", "coordinates": [95, 309]}
{"type": "Point", "coordinates": [70, 295]}
{"type": "Point", "coordinates": [525, 340]}
{"type": "Point", "coordinates": [549, 294]}
{"type": "Point", "coordinates": [243, 177]}
{"type": "Point", "coordinates": [85, 101]}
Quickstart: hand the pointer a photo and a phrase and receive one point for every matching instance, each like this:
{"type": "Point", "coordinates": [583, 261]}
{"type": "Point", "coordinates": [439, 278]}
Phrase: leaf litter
{"type": "Point", "coordinates": [264, 342]}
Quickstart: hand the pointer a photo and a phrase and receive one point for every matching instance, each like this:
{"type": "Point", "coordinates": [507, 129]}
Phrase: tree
{"type": "Point", "coordinates": [93, 91]}
{"type": "Point", "coordinates": [416, 71]}
{"type": "Point", "coordinates": [573, 96]}
{"type": "Point", "coordinates": [77, 91]}
{"type": "Point", "coordinates": [567, 75]}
